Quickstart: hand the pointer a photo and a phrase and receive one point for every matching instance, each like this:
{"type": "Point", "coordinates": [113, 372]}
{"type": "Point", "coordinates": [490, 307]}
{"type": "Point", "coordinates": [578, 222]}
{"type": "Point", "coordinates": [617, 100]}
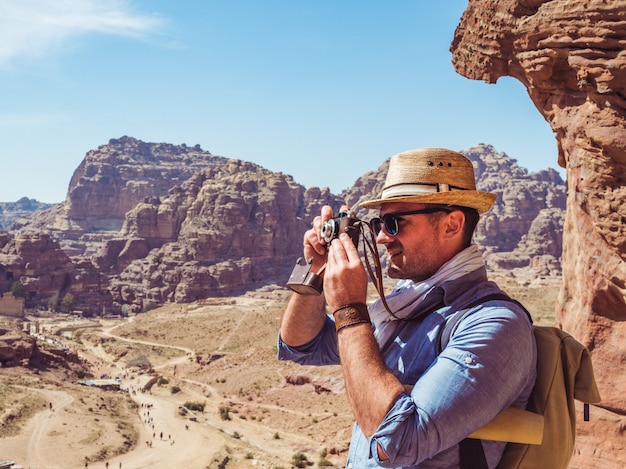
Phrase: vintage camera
{"type": "Point", "coordinates": [343, 223]}
{"type": "Point", "coordinates": [305, 282]}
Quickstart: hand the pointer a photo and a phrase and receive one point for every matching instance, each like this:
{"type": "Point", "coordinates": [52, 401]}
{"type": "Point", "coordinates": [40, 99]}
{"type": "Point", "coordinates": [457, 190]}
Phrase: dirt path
{"type": "Point", "coordinates": [58, 439]}
{"type": "Point", "coordinates": [30, 445]}
{"type": "Point", "coordinates": [166, 440]}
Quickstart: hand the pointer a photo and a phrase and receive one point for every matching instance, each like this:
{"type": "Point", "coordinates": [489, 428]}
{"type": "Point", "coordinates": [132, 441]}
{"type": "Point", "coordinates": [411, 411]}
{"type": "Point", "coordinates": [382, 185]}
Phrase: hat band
{"type": "Point", "coordinates": [404, 190]}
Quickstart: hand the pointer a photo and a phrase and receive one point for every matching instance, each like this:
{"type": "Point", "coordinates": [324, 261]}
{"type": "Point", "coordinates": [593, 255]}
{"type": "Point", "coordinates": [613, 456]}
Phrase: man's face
{"type": "Point", "coordinates": [415, 252]}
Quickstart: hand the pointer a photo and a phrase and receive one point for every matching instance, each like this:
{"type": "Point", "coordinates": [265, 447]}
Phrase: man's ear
{"type": "Point", "coordinates": [454, 224]}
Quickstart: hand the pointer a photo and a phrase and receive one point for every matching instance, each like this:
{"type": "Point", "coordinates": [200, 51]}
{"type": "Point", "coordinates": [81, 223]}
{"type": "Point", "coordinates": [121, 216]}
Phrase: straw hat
{"type": "Point", "coordinates": [432, 176]}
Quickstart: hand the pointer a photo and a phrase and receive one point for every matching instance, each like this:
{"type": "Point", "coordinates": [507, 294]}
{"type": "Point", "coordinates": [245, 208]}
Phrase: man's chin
{"type": "Point", "coordinates": [394, 272]}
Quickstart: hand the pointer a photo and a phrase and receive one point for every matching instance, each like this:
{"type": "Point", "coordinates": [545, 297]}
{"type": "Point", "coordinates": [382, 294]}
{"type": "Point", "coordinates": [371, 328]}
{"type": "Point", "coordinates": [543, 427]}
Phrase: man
{"type": "Point", "coordinates": [413, 403]}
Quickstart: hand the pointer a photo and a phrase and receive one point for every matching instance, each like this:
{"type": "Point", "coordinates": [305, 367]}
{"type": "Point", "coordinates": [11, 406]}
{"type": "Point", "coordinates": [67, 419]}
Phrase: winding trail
{"type": "Point", "coordinates": [167, 439]}
{"type": "Point", "coordinates": [29, 444]}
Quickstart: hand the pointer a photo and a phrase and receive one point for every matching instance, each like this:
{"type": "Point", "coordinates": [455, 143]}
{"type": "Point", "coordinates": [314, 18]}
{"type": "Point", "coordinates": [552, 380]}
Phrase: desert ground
{"type": "Point", "coordinates": [213, 396]}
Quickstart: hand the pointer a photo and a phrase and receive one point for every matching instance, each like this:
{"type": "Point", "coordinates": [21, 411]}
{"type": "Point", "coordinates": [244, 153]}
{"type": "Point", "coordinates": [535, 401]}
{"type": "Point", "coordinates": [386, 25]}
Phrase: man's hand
{"type": "Point", "coordinates": [345, 279]}
{"type": "Point", "coordinates": [314, 244]}
{"type": "Point", "coordinates": [305, 315]}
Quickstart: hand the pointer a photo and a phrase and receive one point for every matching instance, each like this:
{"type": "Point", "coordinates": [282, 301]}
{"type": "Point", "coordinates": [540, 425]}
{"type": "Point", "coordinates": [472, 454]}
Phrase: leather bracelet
{"type": "Point", "coordinates": [351, 315]}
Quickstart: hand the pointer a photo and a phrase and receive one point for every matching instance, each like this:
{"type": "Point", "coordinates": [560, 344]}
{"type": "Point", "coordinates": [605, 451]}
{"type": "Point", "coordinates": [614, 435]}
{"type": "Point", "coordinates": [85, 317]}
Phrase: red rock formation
{"type": "Point", "coordinates": [231, 225]}
{"type": "Point", "coordinates": [570, 56]}
{"type": "Point", "coordinates": [47, 274]}
{"type": "Point", "coordinates": [223, 230]}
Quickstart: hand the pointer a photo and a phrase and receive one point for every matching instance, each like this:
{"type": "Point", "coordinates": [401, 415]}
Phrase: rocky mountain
{"type": "Point", "coordinates": [145, 223]}
{"type": "Point", "coordinates": [12, 211]}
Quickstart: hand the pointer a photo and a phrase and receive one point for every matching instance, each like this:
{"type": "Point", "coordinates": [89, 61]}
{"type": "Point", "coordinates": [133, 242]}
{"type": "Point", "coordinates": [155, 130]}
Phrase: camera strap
{"type": "Point", "coordinates": [374, 269]}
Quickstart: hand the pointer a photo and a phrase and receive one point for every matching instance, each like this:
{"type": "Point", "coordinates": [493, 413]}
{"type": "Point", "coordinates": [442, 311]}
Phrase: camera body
{"type": "Point", "coordinates": [305, 282]}
{"type": "Point", "coordinates": [343, 223]}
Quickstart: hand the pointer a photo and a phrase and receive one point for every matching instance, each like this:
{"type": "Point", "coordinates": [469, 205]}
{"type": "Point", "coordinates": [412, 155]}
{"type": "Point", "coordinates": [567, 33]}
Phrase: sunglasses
{"type": "Point", "coordinates": [389, 221]}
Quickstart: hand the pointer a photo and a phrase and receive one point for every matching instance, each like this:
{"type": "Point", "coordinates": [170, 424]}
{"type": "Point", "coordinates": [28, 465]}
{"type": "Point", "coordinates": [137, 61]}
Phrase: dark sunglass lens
{"type": "Point", "coordinates": [375, 223]}
{"type": "Point", "coordinates": [391, 224]}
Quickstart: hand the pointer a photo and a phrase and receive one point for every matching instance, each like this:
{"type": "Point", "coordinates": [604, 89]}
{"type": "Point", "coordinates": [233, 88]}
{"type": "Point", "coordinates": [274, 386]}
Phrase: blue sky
{"type": "Point", "coordinates": [323, 90]}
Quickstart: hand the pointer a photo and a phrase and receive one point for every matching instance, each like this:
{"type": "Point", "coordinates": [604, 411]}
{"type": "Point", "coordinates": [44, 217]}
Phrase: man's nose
{"type": "Point", "coordinates": [382, 237]}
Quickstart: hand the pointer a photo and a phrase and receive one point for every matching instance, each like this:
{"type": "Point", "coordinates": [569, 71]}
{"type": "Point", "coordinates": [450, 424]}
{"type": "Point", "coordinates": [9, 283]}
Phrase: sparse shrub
{"type": "Point", "coordinates": [163, 381]}
{"type": "Point", "coordinates": [323, 462]}
{"type": "Point", "coordinates": [224, 413]}
{"type": "Point", "coordinates": [196, 406]}
{"type": "Point", "coordinates": [18, 290]}
{"type": "Point", "coordinates": [67, 303]}
{"type": "Point", "coordinates": [224, 463]}
{"type": "Point", "coordinates": [175, 390]}
{"type": "Point", "coordinates": [300, 460]}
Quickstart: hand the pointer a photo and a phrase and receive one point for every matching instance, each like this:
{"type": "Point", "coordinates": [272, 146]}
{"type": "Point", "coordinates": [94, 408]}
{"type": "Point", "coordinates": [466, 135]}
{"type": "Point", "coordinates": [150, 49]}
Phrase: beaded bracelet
{"type": "Point", "coordinates": [351, 315]}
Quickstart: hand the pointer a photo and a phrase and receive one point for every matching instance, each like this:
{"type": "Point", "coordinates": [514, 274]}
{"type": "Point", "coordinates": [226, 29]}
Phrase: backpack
{"type": "Point", "coordinates": [564, 374]}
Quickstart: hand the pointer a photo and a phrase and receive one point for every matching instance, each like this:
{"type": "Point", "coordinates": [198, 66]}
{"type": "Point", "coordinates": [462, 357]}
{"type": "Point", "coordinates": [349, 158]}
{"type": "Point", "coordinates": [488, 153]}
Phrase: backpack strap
{"type": "Point", "coordinates": [453, 320]}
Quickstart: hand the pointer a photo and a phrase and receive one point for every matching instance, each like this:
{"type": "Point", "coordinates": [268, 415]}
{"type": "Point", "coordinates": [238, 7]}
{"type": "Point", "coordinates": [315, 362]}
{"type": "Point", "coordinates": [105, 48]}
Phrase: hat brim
{"type": "Point", "coordinates": [481, 201]}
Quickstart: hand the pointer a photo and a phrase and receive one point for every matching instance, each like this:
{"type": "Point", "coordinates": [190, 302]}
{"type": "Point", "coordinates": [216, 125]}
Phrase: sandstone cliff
{"type": "Point", "coordinates": [111, 180]}
{"type": "Point", "coordinates": [570, 56]}
{"type": "Point", "coordinates": [230, 226]}
{"type": "Point", "coordinates": [224, 230]}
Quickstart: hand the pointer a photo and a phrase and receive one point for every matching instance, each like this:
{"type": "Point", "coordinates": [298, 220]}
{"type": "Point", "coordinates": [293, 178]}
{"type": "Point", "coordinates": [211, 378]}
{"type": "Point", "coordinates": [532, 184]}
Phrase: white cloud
{"type": "Point", "coordinates": [36, 28]}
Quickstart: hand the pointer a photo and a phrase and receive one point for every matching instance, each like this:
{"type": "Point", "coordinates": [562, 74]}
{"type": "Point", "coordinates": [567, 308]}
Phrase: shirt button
{"type": "Point", "coordinates": [349, 465]}
{"type": "Point", "coordinates": [469, 360]}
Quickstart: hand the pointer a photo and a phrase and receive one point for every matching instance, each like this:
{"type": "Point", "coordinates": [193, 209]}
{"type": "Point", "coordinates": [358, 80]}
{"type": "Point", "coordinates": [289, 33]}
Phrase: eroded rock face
{"type": "Point", "coordinates": [47, 273]}
{"type": "Point", "coordinates": [224, 230]}
{"type": "Point", "coordinates": [16, 348]}
{"type": "Point", "coordinates": [110, 181]}
{"type": "Point", "coordinates": [570, 56]}
{"type": "Point", "coordinates": [233, 225]}
{"type": "Point", "coordinates": [144, 223]}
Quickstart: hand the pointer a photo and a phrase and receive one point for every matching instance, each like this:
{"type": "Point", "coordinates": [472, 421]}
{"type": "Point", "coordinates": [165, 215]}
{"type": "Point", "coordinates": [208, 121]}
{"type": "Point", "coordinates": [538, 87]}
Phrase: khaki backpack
{"type": "Point", "coordinates": [564, 374]}
{"type": "Point", "coordinates": [542, 436]}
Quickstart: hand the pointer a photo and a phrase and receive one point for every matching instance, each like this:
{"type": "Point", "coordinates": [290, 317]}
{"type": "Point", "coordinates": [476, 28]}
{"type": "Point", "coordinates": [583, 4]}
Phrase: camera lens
{"type": "Point", "coordinates": [329, 230]}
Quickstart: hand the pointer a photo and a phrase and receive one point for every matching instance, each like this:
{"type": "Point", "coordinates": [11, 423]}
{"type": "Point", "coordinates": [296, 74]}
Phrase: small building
{"type": "Point", "coordinates": [106, 384]}
{"type": "Point", "coordinates": [11, 306]}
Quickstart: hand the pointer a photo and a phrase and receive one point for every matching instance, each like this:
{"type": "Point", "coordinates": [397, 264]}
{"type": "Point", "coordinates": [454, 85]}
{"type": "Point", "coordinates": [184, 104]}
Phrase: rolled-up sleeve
{"type": "Point", "coordinates": [321, 350]}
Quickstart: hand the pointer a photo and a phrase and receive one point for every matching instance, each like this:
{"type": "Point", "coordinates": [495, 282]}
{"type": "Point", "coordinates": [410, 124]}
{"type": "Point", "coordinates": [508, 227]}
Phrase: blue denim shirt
{"type": "Point", "coordinates": [488, 365]}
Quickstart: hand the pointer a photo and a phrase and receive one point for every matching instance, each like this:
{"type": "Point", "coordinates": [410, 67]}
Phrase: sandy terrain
{"type": "Point", "coordinates": [268, 422]}
{"type": "Point", "coordinates": [219, 353]}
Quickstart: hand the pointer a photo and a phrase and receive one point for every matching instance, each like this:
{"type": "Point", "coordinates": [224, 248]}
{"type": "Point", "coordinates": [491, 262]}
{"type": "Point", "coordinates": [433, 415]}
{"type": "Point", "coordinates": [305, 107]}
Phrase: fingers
{"type": "Point", "coordinates": [314, 243]}
{"type": "Point", "coordinates": [343, 250]}
{"type": "Point", "coordinates": [326, 214]}
{"type": "Point", "coordinates": [345, 279]}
